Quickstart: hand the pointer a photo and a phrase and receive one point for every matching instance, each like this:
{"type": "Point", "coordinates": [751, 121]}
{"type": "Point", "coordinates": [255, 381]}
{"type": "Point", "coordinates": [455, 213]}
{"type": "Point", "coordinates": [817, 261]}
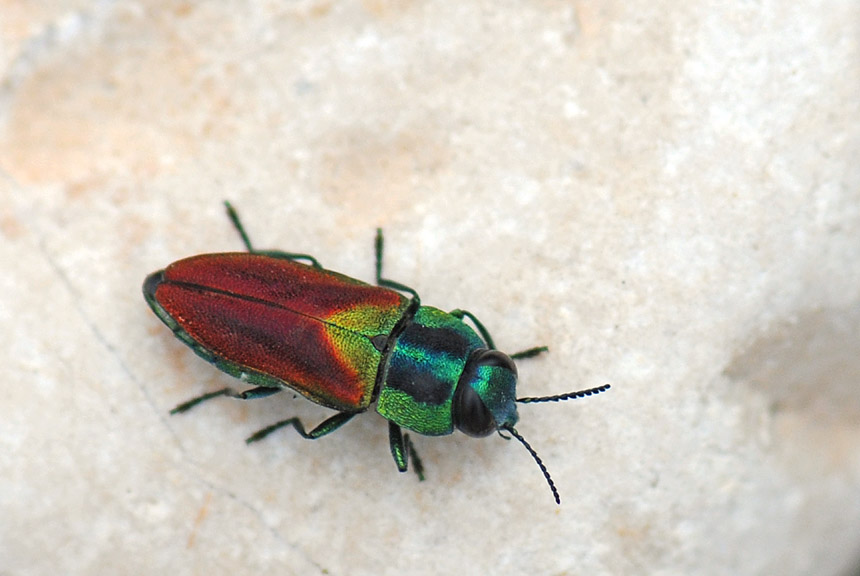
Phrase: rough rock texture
{"type": "Point", "coordinates": [667, 195]}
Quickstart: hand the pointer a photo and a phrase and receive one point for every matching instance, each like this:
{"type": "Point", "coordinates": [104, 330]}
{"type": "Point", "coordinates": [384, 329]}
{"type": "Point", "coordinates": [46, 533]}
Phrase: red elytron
{"type": "Point", "coordinates": [309, 328]}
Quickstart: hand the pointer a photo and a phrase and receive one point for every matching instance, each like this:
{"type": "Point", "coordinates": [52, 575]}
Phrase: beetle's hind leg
{"type": "Point", "coordinates": [237, 224]}
{"type": "Point", "coordinates": [240, 228]}
{"type": "Point", "coordinates": [252, 394]}
{"type": "Point", "coordinates": [328, 426]}
{"type": "Point", "coordinates": [290, 256]}
{"type": "Point", "coordinates": [403, 451]}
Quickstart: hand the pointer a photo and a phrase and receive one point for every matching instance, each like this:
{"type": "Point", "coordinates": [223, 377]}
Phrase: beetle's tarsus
{"type": "Point", "coordinates": [530, 353]}
{"type": "Point", "coordinates": [326, 427]}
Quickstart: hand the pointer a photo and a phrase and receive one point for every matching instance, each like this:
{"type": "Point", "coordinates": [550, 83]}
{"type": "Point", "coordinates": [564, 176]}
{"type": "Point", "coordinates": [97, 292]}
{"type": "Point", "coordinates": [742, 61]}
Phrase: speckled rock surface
{"type": "Point", "coordinates": [667, 196]}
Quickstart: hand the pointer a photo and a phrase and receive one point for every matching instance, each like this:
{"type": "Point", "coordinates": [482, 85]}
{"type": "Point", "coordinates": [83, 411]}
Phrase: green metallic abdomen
{"type": "Point", "coordinates": [422, 372]}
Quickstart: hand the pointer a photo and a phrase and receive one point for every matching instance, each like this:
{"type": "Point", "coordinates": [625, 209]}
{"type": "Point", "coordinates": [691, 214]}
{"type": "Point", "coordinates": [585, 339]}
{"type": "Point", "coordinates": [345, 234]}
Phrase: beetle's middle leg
{"type": "Point", "coordinates": [379, 245]}
{"type": "Point", "coordinates": [403, 451]}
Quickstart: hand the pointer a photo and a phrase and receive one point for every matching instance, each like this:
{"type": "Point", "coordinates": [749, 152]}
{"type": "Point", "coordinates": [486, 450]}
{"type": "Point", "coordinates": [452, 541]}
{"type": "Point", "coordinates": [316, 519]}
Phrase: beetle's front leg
{"type": "Point", "coordinates": [530, 353]}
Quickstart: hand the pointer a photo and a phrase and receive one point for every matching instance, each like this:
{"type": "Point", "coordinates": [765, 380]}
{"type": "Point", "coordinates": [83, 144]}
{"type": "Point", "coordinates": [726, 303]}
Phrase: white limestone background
{"type": "Point", "coordinates": [668, 196]}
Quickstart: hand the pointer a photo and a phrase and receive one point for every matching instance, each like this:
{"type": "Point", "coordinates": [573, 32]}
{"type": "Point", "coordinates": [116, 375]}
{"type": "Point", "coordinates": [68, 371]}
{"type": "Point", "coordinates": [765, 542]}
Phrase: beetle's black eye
{"type": "Point", "coordinates": [470, 414]}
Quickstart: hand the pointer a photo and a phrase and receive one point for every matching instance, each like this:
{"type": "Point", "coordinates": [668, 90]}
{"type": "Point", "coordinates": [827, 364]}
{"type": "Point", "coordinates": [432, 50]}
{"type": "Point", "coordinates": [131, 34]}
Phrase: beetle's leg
{"type": "Point", "coordinates": [237, 224]}
{"type": "Point", "coordinates": [379, 245]}
{"type": "Point", "coordinates": [417, 465]}
{"type": "Point", "coordinates": [329, 425]}
{"type": "Point", "coordinates": [403, 450]}
{"type": "Point", "coordinates": [530, 353]}
{"type": "Point", "coordinates": [290, 256]}
{"type": "Point", "coordinates": [486, 335]}
{"type": "Point", "coordinates": [380, 281]}
{"type": "Point", "coordinates": [253, 393]}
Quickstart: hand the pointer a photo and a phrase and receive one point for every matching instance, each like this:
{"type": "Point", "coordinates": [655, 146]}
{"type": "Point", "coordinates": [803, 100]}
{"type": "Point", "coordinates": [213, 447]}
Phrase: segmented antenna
{"type": "Point", "coordinates": [568, 396]}
{"type": "Point", "coordinates": [540, 464]}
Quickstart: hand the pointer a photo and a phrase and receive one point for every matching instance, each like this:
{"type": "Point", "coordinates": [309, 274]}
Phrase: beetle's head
{"type": "Point", "coordinates": [485, 398]}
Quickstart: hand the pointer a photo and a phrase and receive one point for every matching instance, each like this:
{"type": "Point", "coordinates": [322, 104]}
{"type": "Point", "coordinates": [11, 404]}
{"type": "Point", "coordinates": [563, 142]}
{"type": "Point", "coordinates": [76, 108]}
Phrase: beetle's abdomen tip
{"type": "Point", "coordinates": [150, 285]}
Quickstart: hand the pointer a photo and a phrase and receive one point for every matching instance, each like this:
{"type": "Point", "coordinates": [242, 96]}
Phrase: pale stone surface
{"type": "Point", "coordinates": [668, 196]}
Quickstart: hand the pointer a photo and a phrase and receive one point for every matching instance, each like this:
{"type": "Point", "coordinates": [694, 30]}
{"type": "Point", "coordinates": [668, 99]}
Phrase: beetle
{"type": "Point", "coordinates": [280, 321]}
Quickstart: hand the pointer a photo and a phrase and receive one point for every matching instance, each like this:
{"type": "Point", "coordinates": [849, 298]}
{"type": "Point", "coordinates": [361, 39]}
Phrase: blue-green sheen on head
{"type": "Point", "coordinates": [485, 399]}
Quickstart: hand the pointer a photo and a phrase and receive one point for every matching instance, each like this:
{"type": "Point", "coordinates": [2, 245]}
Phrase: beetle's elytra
{"type": "Point", "coordinates": [279, 321]}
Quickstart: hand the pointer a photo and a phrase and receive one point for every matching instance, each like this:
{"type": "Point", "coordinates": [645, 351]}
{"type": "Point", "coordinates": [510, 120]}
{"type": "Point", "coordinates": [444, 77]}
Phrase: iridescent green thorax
{"type": "Point", "coordinates": [423, 369]}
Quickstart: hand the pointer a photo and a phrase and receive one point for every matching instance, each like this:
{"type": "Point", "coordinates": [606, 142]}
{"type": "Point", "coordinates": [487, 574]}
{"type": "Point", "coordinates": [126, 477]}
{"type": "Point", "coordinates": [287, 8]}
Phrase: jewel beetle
{"type": "Point", "coordinates": [280, 321]}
